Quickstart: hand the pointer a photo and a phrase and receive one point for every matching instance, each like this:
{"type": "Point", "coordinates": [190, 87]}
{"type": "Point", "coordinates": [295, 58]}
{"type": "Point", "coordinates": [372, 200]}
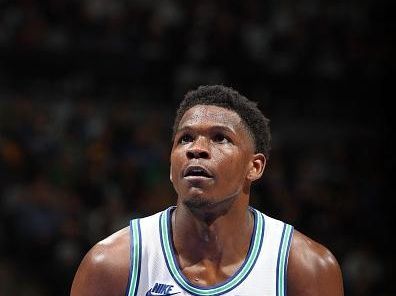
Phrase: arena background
{"type": "Point", "coordinates": [88, 91]}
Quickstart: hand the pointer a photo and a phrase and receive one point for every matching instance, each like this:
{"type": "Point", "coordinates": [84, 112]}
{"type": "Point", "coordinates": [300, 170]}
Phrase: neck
{"type": "Point", "coordinates": [219, 236]}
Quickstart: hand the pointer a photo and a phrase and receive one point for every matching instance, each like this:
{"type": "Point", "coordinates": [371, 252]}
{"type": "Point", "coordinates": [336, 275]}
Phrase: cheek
{"type": "Point", "coordinates": [233, 165]}
{"type": "Point", "coordinates": [174, 170]}
{"type": "Point", "coordinates": [174, 164]}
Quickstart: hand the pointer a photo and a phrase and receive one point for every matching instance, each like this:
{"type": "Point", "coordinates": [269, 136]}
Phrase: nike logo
{"type": "Point", "coordinates": [161, 290]}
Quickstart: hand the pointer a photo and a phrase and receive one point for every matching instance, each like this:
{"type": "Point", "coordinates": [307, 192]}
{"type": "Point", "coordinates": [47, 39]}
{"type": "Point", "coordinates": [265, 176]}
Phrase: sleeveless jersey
{"type": "Point", "coordinates": [155, 271]}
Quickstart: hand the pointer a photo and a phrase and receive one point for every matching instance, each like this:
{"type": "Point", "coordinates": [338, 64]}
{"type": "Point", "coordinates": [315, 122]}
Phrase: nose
{"type": "Point", "coordinates": [198, 149]}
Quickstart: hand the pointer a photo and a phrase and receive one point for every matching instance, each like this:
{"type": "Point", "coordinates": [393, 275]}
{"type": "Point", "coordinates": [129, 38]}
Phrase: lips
{"type": "Point", "coordinates": [197, 171]}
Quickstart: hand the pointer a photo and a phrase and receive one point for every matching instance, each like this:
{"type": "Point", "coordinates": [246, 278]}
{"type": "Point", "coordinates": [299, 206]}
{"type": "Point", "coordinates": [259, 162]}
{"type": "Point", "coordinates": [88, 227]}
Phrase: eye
{"type": "Point", "coordinates": [220, 138]}
{"type": "Point", "coordinates": [186, 138]}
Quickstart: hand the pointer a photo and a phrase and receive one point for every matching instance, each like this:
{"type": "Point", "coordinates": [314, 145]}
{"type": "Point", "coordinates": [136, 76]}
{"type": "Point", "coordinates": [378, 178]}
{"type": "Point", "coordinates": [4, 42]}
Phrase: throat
{"type": "Point", "coordinates": [208, 211]}
{"type": "Point", "coordinates": [214, 260]}
{"type": "Point", "coordinates": [210, 253]}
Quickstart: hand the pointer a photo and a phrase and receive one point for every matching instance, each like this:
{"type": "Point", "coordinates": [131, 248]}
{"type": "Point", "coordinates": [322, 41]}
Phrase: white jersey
{"type": "Point", "coordinates": [155, 271]}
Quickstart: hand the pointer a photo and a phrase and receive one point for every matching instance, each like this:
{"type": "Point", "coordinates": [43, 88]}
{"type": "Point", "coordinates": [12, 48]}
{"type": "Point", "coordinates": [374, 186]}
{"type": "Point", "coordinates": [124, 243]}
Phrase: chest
{"type": "Point", "coordinates": [155, 269]}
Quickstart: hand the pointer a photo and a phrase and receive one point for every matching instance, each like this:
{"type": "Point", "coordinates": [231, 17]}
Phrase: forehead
{"type": "Point", "coordinates": [210, 115]}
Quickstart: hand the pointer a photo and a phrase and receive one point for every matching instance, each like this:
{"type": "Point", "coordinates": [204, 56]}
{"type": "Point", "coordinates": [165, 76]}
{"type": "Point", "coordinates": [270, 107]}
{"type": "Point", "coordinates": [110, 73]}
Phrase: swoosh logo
{"type": "Point", "coordinates": [149, 293]}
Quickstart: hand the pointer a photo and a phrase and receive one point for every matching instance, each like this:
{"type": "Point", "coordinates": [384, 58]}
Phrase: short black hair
{"type": "Point", "coordinates": [226, 97]}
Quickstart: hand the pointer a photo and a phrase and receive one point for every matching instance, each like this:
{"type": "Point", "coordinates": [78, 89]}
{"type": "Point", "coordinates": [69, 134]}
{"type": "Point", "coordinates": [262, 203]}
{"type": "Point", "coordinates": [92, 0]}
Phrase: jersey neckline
{"type": "Point", "coordinates": [223, 287]}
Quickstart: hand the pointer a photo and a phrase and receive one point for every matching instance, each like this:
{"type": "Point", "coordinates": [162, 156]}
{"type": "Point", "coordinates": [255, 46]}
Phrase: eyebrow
{"type": "Point", "coordinates": [214, 127]}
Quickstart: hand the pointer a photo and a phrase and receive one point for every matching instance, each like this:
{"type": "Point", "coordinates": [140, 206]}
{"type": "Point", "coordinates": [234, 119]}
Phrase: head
{"type": "Point", "coordinates": [218, 95]}
{"type": "Point", "coordinates": [221, 142]}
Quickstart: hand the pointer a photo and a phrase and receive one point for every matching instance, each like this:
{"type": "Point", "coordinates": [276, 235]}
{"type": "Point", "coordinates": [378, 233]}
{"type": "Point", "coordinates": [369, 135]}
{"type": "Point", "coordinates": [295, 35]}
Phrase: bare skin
{"type": "Point", "coordinates": [105, 268]}
{"type": "Point", "coordinates": [312, 269]}
{"type": "Point", "coordinates": [212, 225]}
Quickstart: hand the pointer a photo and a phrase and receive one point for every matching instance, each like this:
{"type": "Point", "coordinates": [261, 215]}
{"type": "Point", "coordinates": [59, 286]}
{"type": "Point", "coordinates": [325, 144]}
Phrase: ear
{"type": "Point", "coordinates": [170, 173]}
{"type": "Point", "coordinates": [257, 167]}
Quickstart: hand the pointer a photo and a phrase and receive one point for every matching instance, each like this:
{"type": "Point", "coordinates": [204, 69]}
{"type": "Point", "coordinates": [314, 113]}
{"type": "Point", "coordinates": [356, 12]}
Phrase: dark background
{"type": "Point", "coordinates": [88, 91]}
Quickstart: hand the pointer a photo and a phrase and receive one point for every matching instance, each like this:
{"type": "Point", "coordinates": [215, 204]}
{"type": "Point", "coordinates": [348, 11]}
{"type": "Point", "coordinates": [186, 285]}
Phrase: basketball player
{"type": "Point", "coordinates": [211, 242]}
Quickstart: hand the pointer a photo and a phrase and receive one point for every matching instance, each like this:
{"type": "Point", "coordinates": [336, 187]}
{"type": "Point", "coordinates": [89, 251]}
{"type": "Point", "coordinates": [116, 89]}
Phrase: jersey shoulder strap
{"type": "Point", "coordinates": [135, 257]}
{"type": "Point", "coordinates": [149, 225]}
{"type": "Point", "coordinates": [283, 256]}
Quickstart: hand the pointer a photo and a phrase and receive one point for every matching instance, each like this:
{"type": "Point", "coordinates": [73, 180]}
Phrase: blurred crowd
{"type": "Point", "coordinates": [96, 45]}
{"type": "Point", "coordinates": [88, 91]}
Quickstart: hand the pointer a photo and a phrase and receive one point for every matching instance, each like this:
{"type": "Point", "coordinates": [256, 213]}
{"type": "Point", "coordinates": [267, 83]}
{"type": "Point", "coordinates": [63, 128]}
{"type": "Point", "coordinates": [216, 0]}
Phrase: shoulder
{"type": "Point", "coordinates": [105, 268]}
{"type": "Point", "coordinates": [312, 269]}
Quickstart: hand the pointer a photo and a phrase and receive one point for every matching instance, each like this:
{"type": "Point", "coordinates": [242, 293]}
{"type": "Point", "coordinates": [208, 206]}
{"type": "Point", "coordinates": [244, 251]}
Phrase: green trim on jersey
{"type": "Point", "coordinates": [281, 269]}
{"type": "Point", "coordinates": [136, 250]}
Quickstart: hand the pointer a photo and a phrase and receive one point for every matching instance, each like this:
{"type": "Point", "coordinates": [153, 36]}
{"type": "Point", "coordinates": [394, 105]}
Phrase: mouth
{"type": "Point", "coordinates": [197, 172]}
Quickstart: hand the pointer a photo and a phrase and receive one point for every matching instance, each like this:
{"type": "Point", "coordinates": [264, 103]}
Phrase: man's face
{"type": "Point", "coordinates": [212, 156]}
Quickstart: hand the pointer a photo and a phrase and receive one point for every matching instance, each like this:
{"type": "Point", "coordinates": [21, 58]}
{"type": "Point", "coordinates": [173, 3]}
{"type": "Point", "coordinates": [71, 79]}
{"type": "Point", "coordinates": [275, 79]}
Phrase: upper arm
{"type": "Point", "coordinates": [312, 269]}
{"type": "Point", "coordinates": [103, 271]}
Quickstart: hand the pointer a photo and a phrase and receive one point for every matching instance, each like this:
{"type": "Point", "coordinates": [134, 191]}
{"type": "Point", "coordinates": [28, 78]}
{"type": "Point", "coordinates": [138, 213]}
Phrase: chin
{"type": "Point", "coordinates": [198, 203]}
{"type": "Point", "coordinates": [208, 209]}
